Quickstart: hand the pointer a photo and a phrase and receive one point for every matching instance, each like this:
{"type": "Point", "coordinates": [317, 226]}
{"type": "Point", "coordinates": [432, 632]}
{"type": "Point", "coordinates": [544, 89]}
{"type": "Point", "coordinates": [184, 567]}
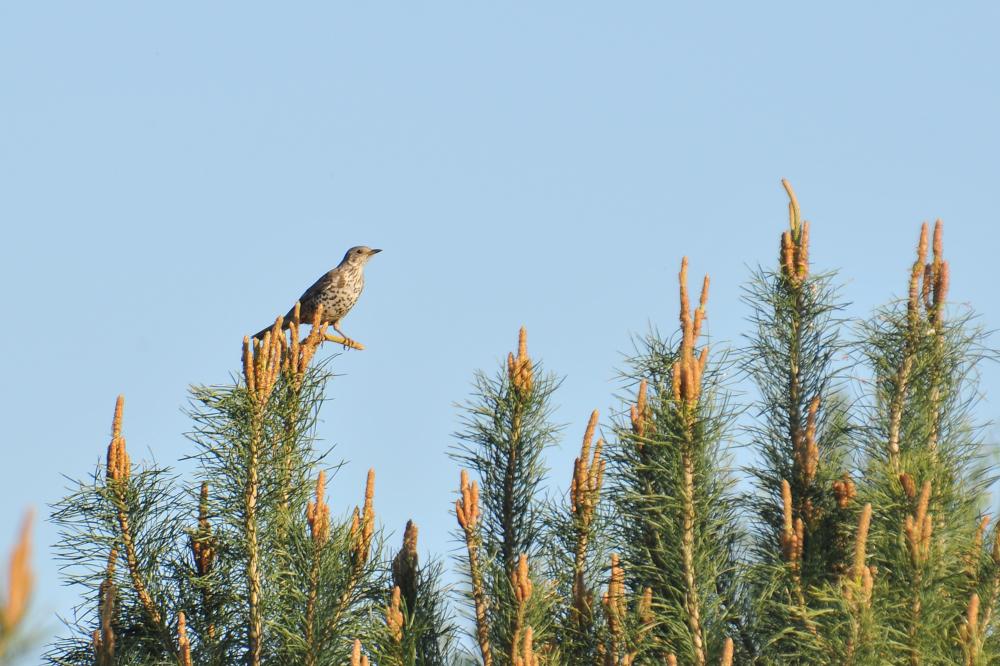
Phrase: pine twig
{"type": "Point", "coordinates": [585, 491]}
{"type": "Point", "coordinates": [318, 519]}
{"type": "Point", "coordinates": [687, 390]}
{"type": "Point", "coordinates": [103, 639]}
{"type": "Point", "coordinates": [905, 368]}
{"type": "Point", "coordinates": [119, 469]}
{"type": "Point", "coordinates": [261, 364]}
{"type": "Point", "coordinates": [183, 642]}
{"type": "Point", "coordinates": [467, 513]}
{"type": "Point", "coordinates": [362, 530]}
{"type": "Point", "coordinates": [19, 586]}
{"type": "Point", "coordinates": [521, 583]}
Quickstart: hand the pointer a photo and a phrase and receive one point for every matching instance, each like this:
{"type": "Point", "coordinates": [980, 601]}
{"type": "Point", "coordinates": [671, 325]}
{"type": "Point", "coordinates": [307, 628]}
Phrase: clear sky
{"type": "Point", "coordinates": [174, 176]}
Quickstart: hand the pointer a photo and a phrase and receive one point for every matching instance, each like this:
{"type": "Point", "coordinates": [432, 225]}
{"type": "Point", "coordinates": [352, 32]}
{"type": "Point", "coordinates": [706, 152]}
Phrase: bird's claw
{"type": "Point", "coordinates": [345, 341]}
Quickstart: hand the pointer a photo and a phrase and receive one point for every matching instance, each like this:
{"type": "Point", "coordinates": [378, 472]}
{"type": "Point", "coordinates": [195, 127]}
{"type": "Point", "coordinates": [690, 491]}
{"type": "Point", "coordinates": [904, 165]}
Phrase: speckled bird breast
{"type": "Point", "coordinates": [341, 295]}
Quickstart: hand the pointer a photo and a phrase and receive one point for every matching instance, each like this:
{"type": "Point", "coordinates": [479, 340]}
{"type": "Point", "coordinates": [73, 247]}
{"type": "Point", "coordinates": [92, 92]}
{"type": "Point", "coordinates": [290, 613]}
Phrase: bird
{"type": "Point", "coordinates": [337, 291]}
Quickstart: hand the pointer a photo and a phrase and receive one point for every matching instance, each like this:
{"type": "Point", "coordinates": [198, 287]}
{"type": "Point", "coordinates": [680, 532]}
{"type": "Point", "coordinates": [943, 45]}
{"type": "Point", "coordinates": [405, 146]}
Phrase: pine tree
{"type": "Point", "coordinates": [923, 471]}
{"type": "Point", "coordinates": [862, 539]}
{"type": "Point", "coordinates": [800, 437]}
{"type": "Point", "coordinates": [673, 495]}
{"type": "Point", "coordinates": [247, 566]}
{"type": "Point", "coordinates": [507, 429]}
{"type": "Point", "coordinates": [578, 555]}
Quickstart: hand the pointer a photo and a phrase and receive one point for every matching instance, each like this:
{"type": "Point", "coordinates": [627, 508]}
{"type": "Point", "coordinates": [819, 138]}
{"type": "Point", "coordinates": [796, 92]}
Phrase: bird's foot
{"type": "Point", "coordinates": [347, 342]}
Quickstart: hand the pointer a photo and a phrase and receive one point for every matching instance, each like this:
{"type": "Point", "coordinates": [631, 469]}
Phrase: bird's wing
{"type": "Point", "coordinates": [307, 300]}
{"type": "Point", "coordinates": [313, 295]}
{"type": "Point", "coordinates": [317, 288]}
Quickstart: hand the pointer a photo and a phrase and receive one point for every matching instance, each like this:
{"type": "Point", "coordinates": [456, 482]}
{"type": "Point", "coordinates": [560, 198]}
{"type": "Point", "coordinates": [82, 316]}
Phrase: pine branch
{"type": "Point", "coordinates": [261, 364]}
{"type": "Point", "coordinates": [19, 585]}
{"type": "Point", "coordinates": [687, 391]}
{"type": "Point", "coordinates": [910, 342]}
{"type": "Point", "coordinates": [585, 492]}
{"type": "Point", "coordinates": [318, 517]}
{"type": "Point", "coordinates": [467, 512]}
{"type": "Point", "coordinates": [670, 489]}
{"type": "Point", "coordinates": [506, 431]}
{"type": "Point", "coordinates": [119, 470]}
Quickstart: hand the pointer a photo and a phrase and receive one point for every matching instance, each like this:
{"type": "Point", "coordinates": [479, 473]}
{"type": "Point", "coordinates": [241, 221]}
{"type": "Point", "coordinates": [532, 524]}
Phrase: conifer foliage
{"type": "Point", "coordinates": [674, 499]}
{"type": "Point", "coordinates": [247, 564]}
{"type": "Point", "coordinates": [16, 596]}
{"type": "Point", "coordinates": [860, 537]}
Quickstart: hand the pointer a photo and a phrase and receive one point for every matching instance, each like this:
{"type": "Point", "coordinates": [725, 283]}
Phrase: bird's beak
{"type": "Point", "coordinates": [371, 252]}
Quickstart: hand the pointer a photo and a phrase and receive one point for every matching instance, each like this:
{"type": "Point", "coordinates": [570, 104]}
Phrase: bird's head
{"type": "Point", "coordinates": [359, 255]}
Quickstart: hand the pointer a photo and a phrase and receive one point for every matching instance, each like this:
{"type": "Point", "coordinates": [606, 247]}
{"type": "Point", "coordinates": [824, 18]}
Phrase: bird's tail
{"type": "Point", "coordinates": [259, 335]}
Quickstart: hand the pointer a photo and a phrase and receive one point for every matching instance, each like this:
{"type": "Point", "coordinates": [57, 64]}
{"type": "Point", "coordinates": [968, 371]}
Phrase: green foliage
{"type": "Point", "coordinates": [193, 549]}
{"type": "Point", "coordinates": [504, 437]}
{"type": "Point", "coordinates": [927, 595]}
{"type": "Point", "coordinates": [424, 635]}
{"type": "Point", "coordinates": [506, 430]}
{"type": "Point", "coordinates": [661, 509]}
{"type": "Point", "coordinates": [862, 539]}
{"type": "Point", "coordinates": [576, 563]}
{"type": "Point", "coordinates": [800, 435]}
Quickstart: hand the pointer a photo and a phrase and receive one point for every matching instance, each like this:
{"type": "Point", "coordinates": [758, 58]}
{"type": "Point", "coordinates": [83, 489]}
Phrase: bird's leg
{"type": "Point", "coordinates": [347, 341]}
{"type": "Point", "coordinates": [343, 339]}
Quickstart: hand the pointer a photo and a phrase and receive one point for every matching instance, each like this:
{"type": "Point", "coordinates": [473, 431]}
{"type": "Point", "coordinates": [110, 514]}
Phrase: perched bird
{"type": "Point", "coordinates": [337, 291]}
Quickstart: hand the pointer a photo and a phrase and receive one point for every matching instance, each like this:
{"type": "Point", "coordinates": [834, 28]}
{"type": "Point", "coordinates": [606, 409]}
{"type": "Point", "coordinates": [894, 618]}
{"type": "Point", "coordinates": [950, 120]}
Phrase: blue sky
{"type": "Point", "coordinates": [173, 176]}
